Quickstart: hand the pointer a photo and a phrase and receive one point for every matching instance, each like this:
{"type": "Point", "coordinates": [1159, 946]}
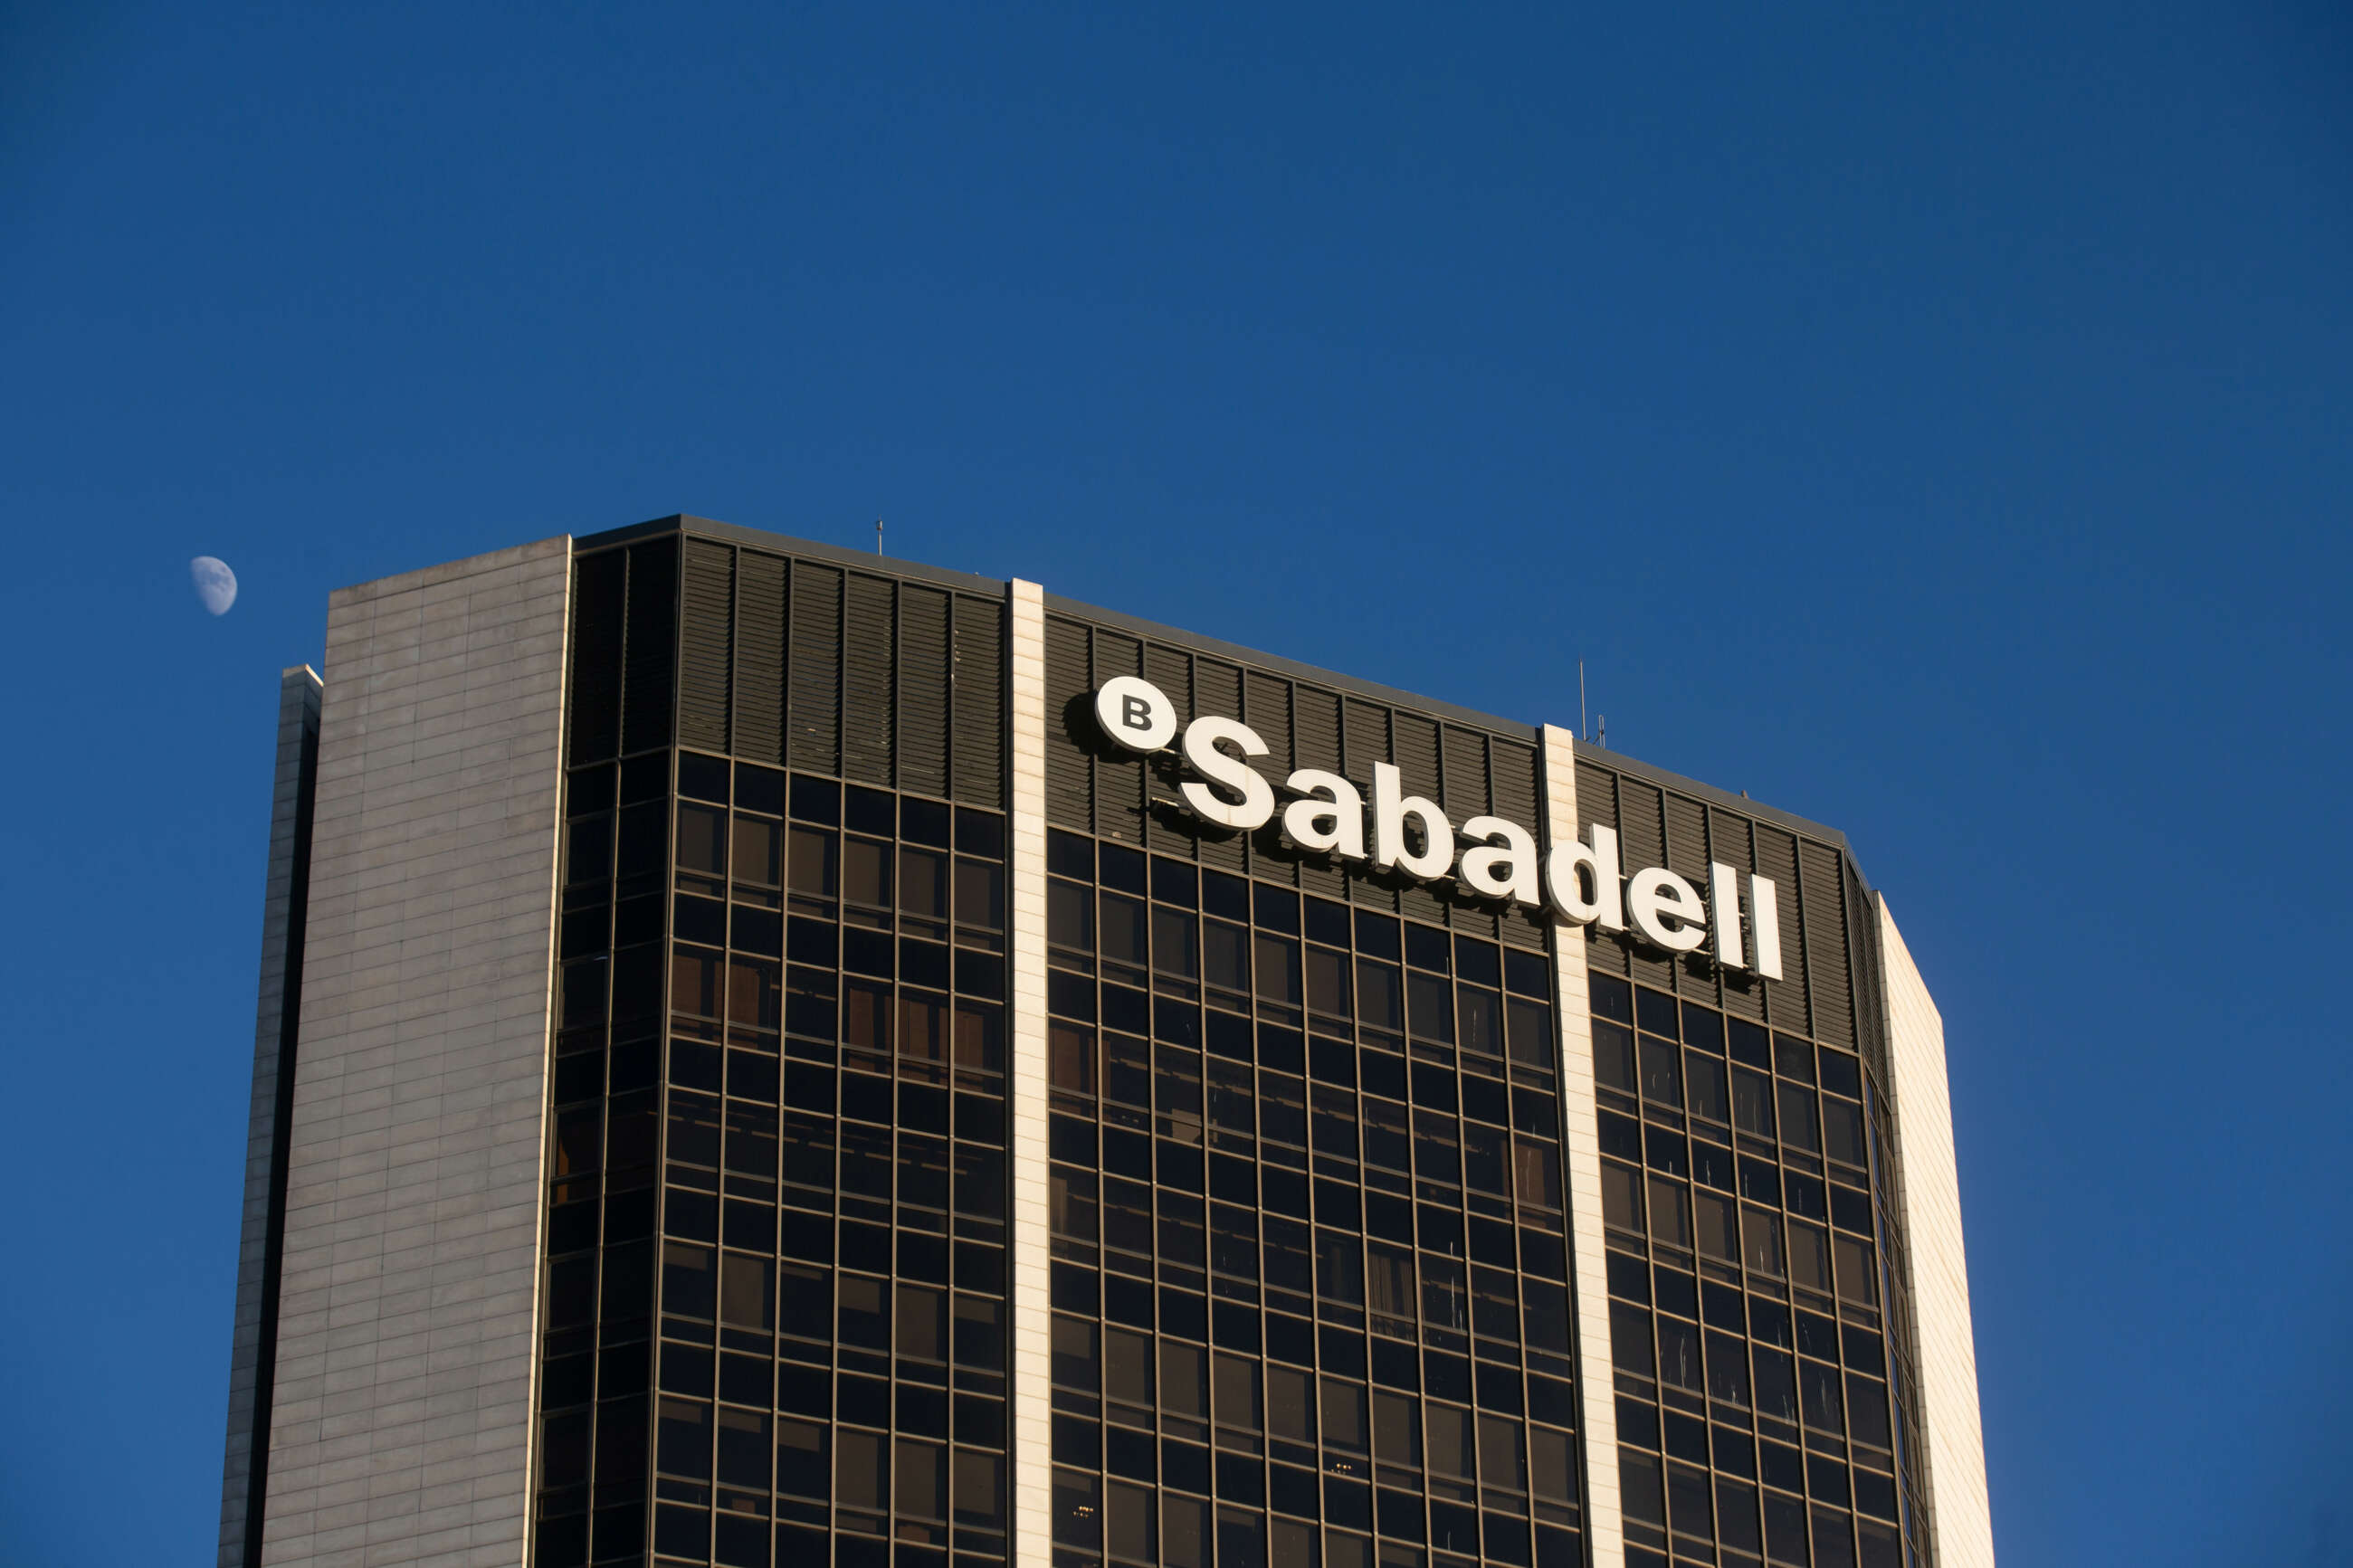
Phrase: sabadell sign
{"type": "Point", "coordinates": [1494, 858]}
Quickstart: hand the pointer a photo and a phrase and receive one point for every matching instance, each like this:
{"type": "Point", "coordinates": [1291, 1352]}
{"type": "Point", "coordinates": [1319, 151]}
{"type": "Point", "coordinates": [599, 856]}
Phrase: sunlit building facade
{"type": "Point", "coordinates": [773, 1056]}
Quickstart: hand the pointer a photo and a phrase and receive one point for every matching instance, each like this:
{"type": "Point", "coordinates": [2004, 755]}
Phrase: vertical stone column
{"type": "Point", "coordinates": [1597, 1439]}
{"type": "Point", "coordinates": [245, 1470]}
{"type": "Point", "coordinates": [1929, 1191]}
{"type": "Point", "coordinates": [402, 1425]}
{"type": "Point", "coordinates": [1032, 1448]}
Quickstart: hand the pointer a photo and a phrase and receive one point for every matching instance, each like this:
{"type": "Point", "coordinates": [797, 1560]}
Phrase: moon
{"type": "Point", "coordinates": [215, 584]}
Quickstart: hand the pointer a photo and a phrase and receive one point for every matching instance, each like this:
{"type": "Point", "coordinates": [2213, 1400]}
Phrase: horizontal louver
{"type": "Point", "coordinates": [706, 662]}
{"type": "Point", "coordinates": [1642, 828]}
{"type": "Point", "coordinates": [1070, 782]}
{"type": "Point", "coordinates": [816, 739]}
{"type": "Point", "coordinates": [1729, 841]}
{"type": "Point", "coordinates": [1785, 999]}
{"type": "Point", "coordinates": [1417, 766]}
{"type": "Point", "coordinates": [1316, 743]}
{"type": "Point", "coordinates": [923, 689]}
{"type": "Point", "coordinates": [1597, 806]}
{"type": "Point", "coordinates": [760, 699]}
{"type": "Point", "coordinates": [1171, 832]}
{"type": "Point", "coordinates": [1826, 951]}
{"type": "Point", "coordinates": [1118, 779]}
{"type": "Point", "coordinates": [1218, 688]}
{"type": "Point", "coordinates": [1511, 770]}
{"type": "Point", "coordinates": [979, 660]}
{"type": "Point", "coordinates": [869, 641]}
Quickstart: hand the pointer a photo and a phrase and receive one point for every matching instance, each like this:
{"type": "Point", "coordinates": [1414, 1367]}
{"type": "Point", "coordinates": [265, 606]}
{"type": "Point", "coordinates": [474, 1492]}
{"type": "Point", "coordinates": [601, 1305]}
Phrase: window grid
{"type": "Point", "coordinates": [1277, 1125]}
{"type": "Point", "coordinates": [828, 1375]}
{"type": "Point", "coordinates": [1746, 1286]}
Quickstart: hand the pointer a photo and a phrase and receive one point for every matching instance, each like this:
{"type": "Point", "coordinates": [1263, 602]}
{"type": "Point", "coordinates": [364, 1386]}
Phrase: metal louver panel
{"type": "Point", "coordinates": [1785, 999]}
{"type": "Point", "coordinates": [1316, 743]}
{"type": "Point", "coordinates": [923, 689]}
{"type": "Point", "coordinates": [1687, 857]}
{"type": "Point", "coordinates": [1826, 951]}
{"type": "Point", "coordinates": [1511, 771]}
{"type": "Point", "coordinates": [1365, 737]}
{"type": "Point", "coordinates": [979, 759]}
{"type": "Point", "coordinates": [1465, 793]}
{"type": "Point", "coordinates": [1729, 841]}
{"type": "Point", "coordinates": [1119, 780]}
{"type": "Point", "coordinates": [706, 661]}
{"type": "Point", "coordinates": [816, 739]}
{"type": "Point", "coordinates": [760, 657]}
{"type": "Point", "coordinates": [1687, 841]}
{"type": "Point", "coordinates": [1266, 707]}
{"type": "Point", "coordinates": [601, 583]}
{"type": "Point", "coordinates": [1417, 763]}
{"type": "Point", "coordinates": [1070, 776]}
{"type": "Point", "coordinates": [650, 659]}
{"type": "Point", "coordinates": [1171, 832]}
{"type": "Point", "coordinates": [1218, 688]}
{"type": "Point", "coordinates": [870, 638]}
{"type": "Point", "coordinates": [1597, 802]}
{"type": "Point", "coordinates": [1169, 669]}
{"type": "Point", "coordinates": [1641, 829]}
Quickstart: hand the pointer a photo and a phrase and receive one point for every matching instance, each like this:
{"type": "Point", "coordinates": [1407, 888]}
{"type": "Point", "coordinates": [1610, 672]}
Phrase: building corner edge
{"type": "Point", "coordinates": [1960, 1522]}
{"type": "Point", "coordinates": [278, 1012]}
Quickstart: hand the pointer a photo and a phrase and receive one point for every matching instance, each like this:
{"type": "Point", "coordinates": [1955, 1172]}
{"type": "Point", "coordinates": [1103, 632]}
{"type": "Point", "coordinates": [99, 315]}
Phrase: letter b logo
{"type": "Point", "coordinates": [1136, 713]}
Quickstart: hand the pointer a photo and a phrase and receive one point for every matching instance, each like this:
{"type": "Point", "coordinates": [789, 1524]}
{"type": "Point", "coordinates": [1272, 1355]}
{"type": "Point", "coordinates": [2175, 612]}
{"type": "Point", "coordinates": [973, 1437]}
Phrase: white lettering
{"type": "Point", "coordinates": [1332, 822]}
{"type": "Point", "coordinates": [1566, 870]}
{"type": "Point", "coordinates": [1724, 896]}
{"type": "Point", "coordinates": [1202, 738]}
{"type": "Point", "coordinates": [1505, 866]}
{"type": "Point", "coordinates": [1765, 923]}
{"type": "Point", "coordinates": [1391, 809]}
{"type": "Point", "coordinates": [1666, 908]}
{"type": "Point", "coordinates": [1136, 713]}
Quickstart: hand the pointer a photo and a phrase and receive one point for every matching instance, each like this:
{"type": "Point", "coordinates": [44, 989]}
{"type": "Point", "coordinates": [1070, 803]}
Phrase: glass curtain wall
{"type": "Point", "coordinates": [1745, 1284]}
{"type": "Point", "coordinates": [1309, 1286]}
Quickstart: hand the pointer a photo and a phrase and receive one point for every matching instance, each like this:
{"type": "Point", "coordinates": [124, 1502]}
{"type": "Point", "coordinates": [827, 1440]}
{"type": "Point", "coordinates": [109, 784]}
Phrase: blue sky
{"type": "Point", "coordinates": [1933, 420]}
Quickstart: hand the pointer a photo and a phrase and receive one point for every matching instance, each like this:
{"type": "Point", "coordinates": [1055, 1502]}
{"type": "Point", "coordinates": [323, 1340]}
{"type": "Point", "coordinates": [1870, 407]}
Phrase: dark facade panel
{"type": "Point", "coordinates": [925, 689]}
{"type": "Point", "coordinates": [1094, 787]}
{"type": "Point", "coordinates": [650, 659]}
{"type": "Point", "coordinates": [870, 643]}
{"type": "Point", "coordinates": [761, 694]}
{"type": "Point", "coordinates": [599, 585]}
{"type": "Point", "coordinates": [815, 740]}
{"type": "Point", "coordinates": [980, 702]}
{"type": "Point", "coordinates": [706, 653]}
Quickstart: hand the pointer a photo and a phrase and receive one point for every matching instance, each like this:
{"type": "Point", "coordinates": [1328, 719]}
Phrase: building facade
{"type": "Point", "coordinates": [773, 1056]}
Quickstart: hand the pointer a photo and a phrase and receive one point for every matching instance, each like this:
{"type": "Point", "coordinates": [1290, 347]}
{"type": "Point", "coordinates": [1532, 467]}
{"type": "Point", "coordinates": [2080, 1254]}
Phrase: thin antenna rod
{"type": "Point", "coordinates": [1602, 740]}
{"type": "Point", "coordinates": [1584, 729]}
{"type": "Point", "coordinates": [878, 536]}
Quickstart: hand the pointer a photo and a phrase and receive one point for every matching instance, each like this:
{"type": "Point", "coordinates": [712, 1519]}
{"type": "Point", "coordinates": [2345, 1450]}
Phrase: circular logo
{"type": "Point", "coordinates": [1136, 713]}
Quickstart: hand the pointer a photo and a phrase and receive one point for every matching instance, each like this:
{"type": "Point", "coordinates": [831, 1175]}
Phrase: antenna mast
{"type": "Point", "coordinates": [1584, 731]}
{"type": "Point", "coordinates": [878, 536]}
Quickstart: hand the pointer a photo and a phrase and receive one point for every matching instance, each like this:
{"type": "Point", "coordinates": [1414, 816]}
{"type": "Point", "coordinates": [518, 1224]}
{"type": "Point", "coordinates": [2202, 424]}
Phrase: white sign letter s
{"type": "Point", "coordinates": [1201, 751]}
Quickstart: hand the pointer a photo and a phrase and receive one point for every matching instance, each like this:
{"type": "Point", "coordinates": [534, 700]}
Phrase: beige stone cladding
{"type": "Point", "coordinates": [1605, 1528]}
{"type": "Point", "coordinates": [1956, 1475]}
{"type": "Point", "coordinates": [1032, 1330]}
{"type": "Point", "coordinates": [401, 1432]}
